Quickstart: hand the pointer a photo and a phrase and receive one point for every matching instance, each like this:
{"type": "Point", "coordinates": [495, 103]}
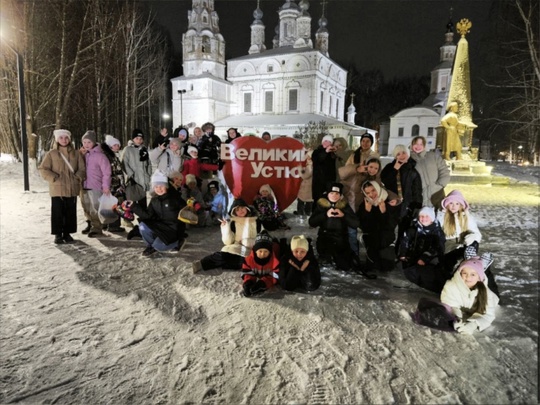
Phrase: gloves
{"type": "Point", "coordinates": [470, 238]}
{"type": "Point", "coordinates": [467, 328]}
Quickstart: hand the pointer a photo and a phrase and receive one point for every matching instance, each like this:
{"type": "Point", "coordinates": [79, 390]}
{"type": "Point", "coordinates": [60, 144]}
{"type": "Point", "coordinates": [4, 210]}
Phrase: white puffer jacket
{"type": "Point", "coordinates": [456, 294]}
{"type": "Point", "coordinates": [242, 240]}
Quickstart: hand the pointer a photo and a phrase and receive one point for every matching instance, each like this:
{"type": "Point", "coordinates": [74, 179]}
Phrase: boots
{"type": "Point", "coordinates": [58, 240]}
{"type": "Point", "coordinates": [87, 229]}
{"type": "Point", "coordinates": [299, 207]}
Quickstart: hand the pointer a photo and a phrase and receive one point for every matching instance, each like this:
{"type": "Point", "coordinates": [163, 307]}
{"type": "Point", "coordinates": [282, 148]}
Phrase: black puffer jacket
{"type": "Point", "coordinates": [161, 216]}
{"type": "Point", "coordinates": [338, 226]}
{"type": "Point", "coordinates": [411, 185]}
{"type": "Point", "coordinates": [423, 242]}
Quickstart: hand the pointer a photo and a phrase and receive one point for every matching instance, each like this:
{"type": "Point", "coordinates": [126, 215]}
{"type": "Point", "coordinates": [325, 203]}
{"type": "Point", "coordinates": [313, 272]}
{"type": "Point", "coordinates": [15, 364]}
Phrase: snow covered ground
{"type": "Point", "coordinates": [96, 323]}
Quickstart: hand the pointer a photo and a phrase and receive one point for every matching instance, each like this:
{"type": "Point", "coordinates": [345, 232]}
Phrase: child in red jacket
{"type": "Point", "coordinates": [260, 269]}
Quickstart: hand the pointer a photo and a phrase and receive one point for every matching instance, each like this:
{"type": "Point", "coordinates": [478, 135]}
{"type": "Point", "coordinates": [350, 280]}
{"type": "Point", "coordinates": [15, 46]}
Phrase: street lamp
{"type": "Point", "coordinates": [181, 92]}
{"type": "Point", "coordinates": [22, 115]}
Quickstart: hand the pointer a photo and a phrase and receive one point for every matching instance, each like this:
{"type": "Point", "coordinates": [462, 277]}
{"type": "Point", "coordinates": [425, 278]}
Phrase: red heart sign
{"type": "Point", "coordinates": [251, 162]}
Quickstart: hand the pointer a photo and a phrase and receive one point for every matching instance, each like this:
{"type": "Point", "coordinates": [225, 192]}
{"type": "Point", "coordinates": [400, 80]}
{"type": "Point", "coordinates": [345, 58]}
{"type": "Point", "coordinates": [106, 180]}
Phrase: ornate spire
{"type": "Point", "coordinates": [257, 32]}
{"type": "Point", "coordinates": [321, 37]}
{"type": "Point", "coordinates": [303, 24]}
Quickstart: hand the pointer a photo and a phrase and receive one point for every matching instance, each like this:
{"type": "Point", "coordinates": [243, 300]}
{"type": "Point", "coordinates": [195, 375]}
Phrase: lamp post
{"type": "Point", "coordinates": [181, 92]}
{"type": "Point", "coordinates": [22, 115]}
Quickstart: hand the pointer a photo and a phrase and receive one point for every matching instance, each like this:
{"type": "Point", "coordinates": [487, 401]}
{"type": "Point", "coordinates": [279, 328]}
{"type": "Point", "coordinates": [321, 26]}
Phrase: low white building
{"type": "Point", "coordinates": [423, 119]}
{"type": "Point", "coordinates": [278, 90]}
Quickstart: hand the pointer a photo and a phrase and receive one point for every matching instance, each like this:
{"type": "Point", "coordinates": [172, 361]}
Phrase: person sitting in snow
{"type": "Point", "coordinates": [216, 202]}
{"type": "Point", "coordinates": [238, 236]}
{"type": "Point", "coordinates": [421, 252]}
{"type": "Point", "coordinates": [261, 267]}
{"type": "Point", "coordinates": [333, 216]}
{"type": "Point", "coordinates": [299, 267]}
{"type": "Point", "coordinates": [467, 293]}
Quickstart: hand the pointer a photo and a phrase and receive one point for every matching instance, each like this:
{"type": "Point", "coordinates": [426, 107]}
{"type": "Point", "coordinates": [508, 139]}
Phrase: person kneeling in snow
{"type": "Point", "coordinates": [468, 295]}
{"type": "Point", "coordinates": [260, 268]}
{"type": "Point", "coordinates": [159, 224]}
{"type": "Point", "coordinates": [299, 267]}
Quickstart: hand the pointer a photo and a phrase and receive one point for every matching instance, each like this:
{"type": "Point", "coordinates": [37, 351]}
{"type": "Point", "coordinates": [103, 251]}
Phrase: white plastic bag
{"type": "Point", "coordinates": [106, 211]}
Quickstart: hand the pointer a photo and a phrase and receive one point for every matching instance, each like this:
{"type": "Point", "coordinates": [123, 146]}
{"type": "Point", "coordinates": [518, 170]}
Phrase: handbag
{"type": "Point", "coordinates": [106, 212]}
{"type": "Point", "coordinates": [437, 198]}
{"type": "Point", "coordinates": [134, 191]}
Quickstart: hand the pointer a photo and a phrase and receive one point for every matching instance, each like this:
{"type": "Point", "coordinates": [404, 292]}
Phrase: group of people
{"type": "Point", "coordinates": [404, 217]}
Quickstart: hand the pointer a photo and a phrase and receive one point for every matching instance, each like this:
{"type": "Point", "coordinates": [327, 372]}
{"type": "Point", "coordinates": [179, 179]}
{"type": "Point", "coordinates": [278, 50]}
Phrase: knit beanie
{"type": "Point", "coordinates": [299, 242]}
{"type": "Point", "coordinates": [174, 174]}
{"type": "Point", "coordinates": [336, 187]}
{"type": "Point", "coordinates": [91, 136]}
{"type": "Point", "coordinates": [192, 149]}
{"type": "Point", "coordinates": [111, 141]}
{"type": "Point", "coordinates": [328, 138]}
{"type": "Point", "coordinates": [476, 264]}
{"type": "Point", "coordinates": [455, 196]}
{"type": "Point", "coordinates": [183, 133]}
{"type": "Point", "coordinates": [137, 132]}
{"type": "Point", "coordinates": [159, 179]}
{"type": "Point", "coordinates": [430, 212]}
{"type": "Point", "coordinates": [263, 241]}
{"type": "Point", "coordinates": [399, 148]}
{"type": "Point", "coordinates": [369, 136]}
{"type": "Point", "coordinates": [60, 132]}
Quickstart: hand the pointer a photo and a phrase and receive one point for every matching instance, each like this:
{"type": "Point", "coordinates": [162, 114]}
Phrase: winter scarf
{"type": "Point", "coordinates": [381, 193]}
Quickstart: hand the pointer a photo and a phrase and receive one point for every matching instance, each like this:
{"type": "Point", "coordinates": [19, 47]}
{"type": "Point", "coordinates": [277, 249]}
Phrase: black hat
{"type": "Point", "coordinates": [238, 203]}
{"type": "Point", "coordinates": [213, 184]}
{"type": "Point", "coordinates": [263, 241]}
{"type": "Point", "coordinates": [137, 132]}
{"type": "Point", "coordinates": [337, 187]}
{"type": "Point", "coordinates": [367, 135]}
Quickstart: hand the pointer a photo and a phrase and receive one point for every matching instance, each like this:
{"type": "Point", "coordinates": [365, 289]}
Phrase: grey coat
{"type": "Point", "coordinates": [139, 171]}
{"type": "Point", "coordinates": [433, 172]}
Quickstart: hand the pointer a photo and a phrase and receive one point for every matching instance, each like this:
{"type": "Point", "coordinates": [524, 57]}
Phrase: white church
{"type": "Point", "coordinates": [423, 119]}
{"type": "Point", "coordinates": [278, 90]}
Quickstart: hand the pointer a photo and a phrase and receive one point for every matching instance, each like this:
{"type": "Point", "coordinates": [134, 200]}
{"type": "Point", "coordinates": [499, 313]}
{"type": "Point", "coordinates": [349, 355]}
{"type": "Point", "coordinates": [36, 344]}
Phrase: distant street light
{"type": "Point", "coordinates": [181, 92]}
{"type": "Point", "coordinates": [22, 114]}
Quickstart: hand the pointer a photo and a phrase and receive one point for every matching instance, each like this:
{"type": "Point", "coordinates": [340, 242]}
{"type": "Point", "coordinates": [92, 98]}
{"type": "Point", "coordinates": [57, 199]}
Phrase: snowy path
{"type": "Point", "coordinates": [97, 323]}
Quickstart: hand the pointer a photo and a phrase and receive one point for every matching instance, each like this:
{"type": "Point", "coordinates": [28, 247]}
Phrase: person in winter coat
{"type": "Point", "coordinates": [378, 219]}
{"type": "Point", "coordinates": [162, 138]}
{"type": "Point", "coordinates": [195, 167]}
{"type": "Point", "coordinates": [190, 190]}
{"type": "Point", "coordinates": [332, 215]}
{"type": "Point", "coordinates": [459, 227]}
{"type": "Point", "coordinates": [363, 153]}
{"type": "Point", "coordinates": [299, 268]}
{"type": "Point", "coordinates": [421, 252]}
{"type": "Point", "coordinates": [467, 293]}
{"type": "Point", "coordinates": [304, 202]}
{"type": "Point", "coordinates": [342, 152]}
{"type": "Point", "coordinates": [324, 167]}
{"type": "Point", "coordinates": [159, 225]}
{"type": "Point", "coordinates": [64, 169]}
{"type": "Point", "coordinates": [215, 202]}
{"type": "Point", "coordinates": [232, 134]}
{"type": "Point", "coordinates": [238, 236]}
{"type": "Point", "coordinates": [433, 171]}
{"type": "Point", "coordinates": [137, 165]}
{"type": "Point", "coordinates": [111, 149]}
{"type": "Point", "coordinates": [168, 158]}
{"type": "Point", "coordinates": [267, 208]}
{"type": "Point", "coordinates": [138, 168]}
{"type": "Point", "coordinates": [401, 177]}
{"type": "Point", "coordinates": [260, 269]}
{"type": "Point", "coordinates": [98, 182]}
{"type": "Point", "coordinates": [209, 145]}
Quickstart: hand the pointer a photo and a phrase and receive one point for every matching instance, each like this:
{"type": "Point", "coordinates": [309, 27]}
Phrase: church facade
{"type": "Point", "coordinates": [278, 90]}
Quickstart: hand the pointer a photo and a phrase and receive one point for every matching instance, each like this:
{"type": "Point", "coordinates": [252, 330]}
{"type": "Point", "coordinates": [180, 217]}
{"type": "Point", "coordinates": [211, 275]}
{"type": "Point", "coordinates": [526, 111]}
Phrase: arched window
{"type": "Point", "coordinates": [415, 130]}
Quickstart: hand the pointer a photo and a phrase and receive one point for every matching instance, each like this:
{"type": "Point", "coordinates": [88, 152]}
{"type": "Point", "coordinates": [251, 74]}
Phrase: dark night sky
{"type": "Point", "coordinates": [399, 37]}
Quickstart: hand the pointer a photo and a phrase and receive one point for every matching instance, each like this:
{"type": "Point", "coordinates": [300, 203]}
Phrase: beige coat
{"type": "Point", "coordinates": [305, 193]}
{"type": "Point", "coordinates": [62, 181]}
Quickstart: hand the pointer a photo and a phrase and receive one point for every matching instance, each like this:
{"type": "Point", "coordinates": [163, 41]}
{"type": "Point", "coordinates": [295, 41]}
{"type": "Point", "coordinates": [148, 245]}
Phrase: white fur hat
{"type": "Point", "coordinates": [299, 242]}
{"type": "Point", "coordinates": [328, 138]}
{"type": "Point", "coordinates": [111, 141]}
{"type": "Point", "coordinates": [60, 132]}
{"type": "Point", "coordinates": [192, 149]}
{"type": "Point", "coordinates": [159, 178]}
{"type": "Point", "coordinates": [430, 212]}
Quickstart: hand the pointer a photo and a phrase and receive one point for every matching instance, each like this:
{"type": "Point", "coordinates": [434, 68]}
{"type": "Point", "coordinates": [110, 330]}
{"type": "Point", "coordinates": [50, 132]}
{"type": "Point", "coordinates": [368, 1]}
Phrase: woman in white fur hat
{"type": "Point", "coordinates": [64, 169]}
